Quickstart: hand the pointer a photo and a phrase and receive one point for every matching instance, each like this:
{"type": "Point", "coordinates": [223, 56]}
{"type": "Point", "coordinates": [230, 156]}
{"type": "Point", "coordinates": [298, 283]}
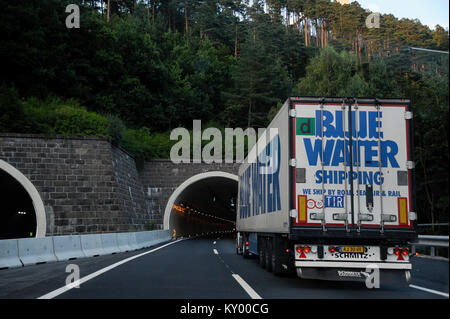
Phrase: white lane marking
{"type": "Point", "coordinates": [214, 243]}
{"type": "Point", "coordinates": [215, 251]}
{"type": "Point", "coordinates": [430, 290]}
{"type": "Point", "coordinates": [246, 287]}
{"type": "Point", "coordinates": [63, 289]}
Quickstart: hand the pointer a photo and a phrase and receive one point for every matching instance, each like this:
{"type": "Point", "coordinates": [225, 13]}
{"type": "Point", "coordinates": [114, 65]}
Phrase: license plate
{"type": "Point", "coordinates": [351, 249]}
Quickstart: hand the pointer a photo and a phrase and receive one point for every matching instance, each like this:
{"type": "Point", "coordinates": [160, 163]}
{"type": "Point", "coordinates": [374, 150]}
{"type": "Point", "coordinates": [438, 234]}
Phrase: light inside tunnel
{"type": "Point", "coordinates": [17, 215]}
{"type": "Point", "coordinates": [207, 206]}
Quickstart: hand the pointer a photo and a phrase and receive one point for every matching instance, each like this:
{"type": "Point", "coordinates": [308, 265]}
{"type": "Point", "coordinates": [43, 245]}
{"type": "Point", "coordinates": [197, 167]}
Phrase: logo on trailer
{"type": "Point", "coordinates": [306, 125]}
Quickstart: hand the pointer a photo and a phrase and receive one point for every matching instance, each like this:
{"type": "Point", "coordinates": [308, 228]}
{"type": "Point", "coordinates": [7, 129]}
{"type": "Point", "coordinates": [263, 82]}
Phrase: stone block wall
{"type": "Point", "coordinates": [130, 193]}
{"type": "Point", "coordinates": [160, 178]}
{"type": "Point", "coordinates": [83, 182]}
{"type": "Point", "coordinates": [88, 185]}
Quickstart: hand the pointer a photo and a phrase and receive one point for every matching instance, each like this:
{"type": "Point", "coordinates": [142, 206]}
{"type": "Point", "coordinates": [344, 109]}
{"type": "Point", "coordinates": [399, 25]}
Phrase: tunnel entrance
{"type": "Point", "coordinates": [18, 219]}
{"type": "Point", "coordinates": [202, 205]}
{"type": "Point", "coordinates": [22, 212]}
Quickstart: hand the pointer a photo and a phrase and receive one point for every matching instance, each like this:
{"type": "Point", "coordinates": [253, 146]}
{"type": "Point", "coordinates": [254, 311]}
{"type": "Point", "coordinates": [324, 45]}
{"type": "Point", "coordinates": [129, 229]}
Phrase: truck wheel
{"type": "Point", "coordinates": [277, 268]}
{"type": "Point", "coordinates": [245, 252]}
{"type": "Point", "coordinates": [262, 257]}
{"type": "Point", "coordinates": [268, 255]}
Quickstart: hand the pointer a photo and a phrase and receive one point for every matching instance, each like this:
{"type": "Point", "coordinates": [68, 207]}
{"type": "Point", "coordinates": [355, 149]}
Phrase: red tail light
{"type": "Point", "coordinates": [331, 249]}
{"type": "Point", "coordinates": [405, 251]}
{"type": "Point", "coordinates": [397, 251]}
{"type": "Point", "coordinates": [299, 249]}
{"type": "Point", "coordinates": [246, 243]}
{"type": "Point", "coordinates": [306, 249]}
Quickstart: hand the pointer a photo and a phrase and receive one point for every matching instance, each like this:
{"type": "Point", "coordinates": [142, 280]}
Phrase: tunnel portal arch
{"type": "Point", "coordinates": [190, 182]}
{"type": "Point", "coordinates": [38, 205]}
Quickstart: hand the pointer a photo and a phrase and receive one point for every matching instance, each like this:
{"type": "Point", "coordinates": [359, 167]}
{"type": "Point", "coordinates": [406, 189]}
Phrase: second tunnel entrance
{"type": "Point", "coordinates": [203, 204]}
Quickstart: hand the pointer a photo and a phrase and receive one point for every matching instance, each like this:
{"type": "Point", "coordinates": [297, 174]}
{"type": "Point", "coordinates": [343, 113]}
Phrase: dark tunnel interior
{"type": "Point", "coordinates": [18, 218]}
{"type": "Point", "coordinates": [206, 207]}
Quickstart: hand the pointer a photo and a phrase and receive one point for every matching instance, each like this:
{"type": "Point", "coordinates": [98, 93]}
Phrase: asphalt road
{"type": "Point", "coordinates": [205, 268]}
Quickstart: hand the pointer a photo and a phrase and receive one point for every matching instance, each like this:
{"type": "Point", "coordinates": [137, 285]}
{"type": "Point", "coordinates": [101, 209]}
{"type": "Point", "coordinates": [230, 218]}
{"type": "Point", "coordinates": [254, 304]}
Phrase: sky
{"type": "Point", "coordinates": [429, 12]}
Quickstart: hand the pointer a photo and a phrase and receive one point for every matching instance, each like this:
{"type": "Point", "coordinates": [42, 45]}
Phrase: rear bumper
{"type": "Point", "coordinates": [387, 274]}
{"type": "Point", "coordinates": [350, 264]}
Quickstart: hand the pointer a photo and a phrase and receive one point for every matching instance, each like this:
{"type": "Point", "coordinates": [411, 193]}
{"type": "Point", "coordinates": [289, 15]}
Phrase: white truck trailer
{"type": "Point", "coordinates": [328, 191]}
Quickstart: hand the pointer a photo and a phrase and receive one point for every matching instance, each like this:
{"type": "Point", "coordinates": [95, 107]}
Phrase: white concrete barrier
{"type": "Point", "coordinates": [163, 235]}
{"type": "Point", "coordinates": [91, 245]}
{"type": "Point", "coordinates": [123, 242]}
{"type": "Point", "coordinates": [109, 243]}
{"type": "Point", "coordinates": [36, 250]}
{"type": "Point", "coordinates": [27, 251]}
{"type": "Point", "coordinates": [141, 240]}
{"type": "Point", "coordinates": [133, 242]}
{"type": "Point", "coordinates": [9, 254]}
{"type": "Point", "coordinates": [151, 236]}
{"type": "Point", "coordinates": [67, 247]}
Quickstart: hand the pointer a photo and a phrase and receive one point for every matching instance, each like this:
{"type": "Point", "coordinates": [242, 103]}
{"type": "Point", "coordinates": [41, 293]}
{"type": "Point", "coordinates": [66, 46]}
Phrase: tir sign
{"type": "Point", "coordinates": [305, 126]}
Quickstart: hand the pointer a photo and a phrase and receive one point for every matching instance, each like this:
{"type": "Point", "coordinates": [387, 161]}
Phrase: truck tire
{"type": "Point", "coordinates": [245, 252]}
{"type": "Point", "coordinates": [268, 255]}
{"type": "Point", "coordinates": [277, 268]}
{"type": "Point", "coordinates": [262, 255]}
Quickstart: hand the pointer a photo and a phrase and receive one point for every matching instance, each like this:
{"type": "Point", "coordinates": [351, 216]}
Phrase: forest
{"type": "Point", "coordinates": [135, 70]}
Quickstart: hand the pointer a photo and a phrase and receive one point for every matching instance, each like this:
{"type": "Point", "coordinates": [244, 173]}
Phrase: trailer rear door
{"type": "Point", "coordinates": [353, 164]}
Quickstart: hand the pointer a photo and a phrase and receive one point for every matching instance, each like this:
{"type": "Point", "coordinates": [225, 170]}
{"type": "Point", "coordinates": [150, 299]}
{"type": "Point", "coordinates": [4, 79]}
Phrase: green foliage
{"type": "Point", "coordinates": [430, 96]}
{"type": "Point", "coordinates": [116, 129]}
{"type": "Point", "coordinates": [144, 145]}
{"type": "Point", "coordinates": [151, 225]}
{"type": "Point", "coordinates": [67, 118]}
{"type": "Point", "coordinates": [333, 74]}
{"type": "Point", "coordinates": [12, 116]}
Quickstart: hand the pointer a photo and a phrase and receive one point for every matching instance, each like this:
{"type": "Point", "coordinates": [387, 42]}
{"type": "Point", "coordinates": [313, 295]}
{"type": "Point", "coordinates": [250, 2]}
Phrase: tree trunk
{"type": "Point", "coordinates": [235, 39]}
{"type": "Point", "coordinates": [249, 112]}
{"type": "Point", "coordinates": [186, 19]}
{"type": "Point", "coordinates": [359, 48]}
{"type": "Point", "coordinates": [153, 11]}
{"type": "Point", "coordinates": [250, 100]}
{"type": "Point", "coordinates": [168, 17]}
{"type": "Point", "coordinates": [288, 18]}
{"type": "Point", "coordinates": [306, 32]}
{"type": "Point", "coordinates": [108, 11]}
{"type": "Point", "coordinates": [322, 42]}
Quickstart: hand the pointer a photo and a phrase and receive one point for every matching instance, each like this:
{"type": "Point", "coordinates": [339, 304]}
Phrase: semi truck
{"type": "Point", "coordinates": [327, 192]}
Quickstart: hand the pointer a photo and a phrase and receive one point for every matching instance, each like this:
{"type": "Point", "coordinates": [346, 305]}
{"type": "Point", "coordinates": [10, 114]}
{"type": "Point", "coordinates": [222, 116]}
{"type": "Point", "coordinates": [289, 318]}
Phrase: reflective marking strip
{"type": "Point", "coordinates": [302, 209]}
{"type": "Point", "coordinates": [402, 211]}
{"type": "Point", "coordinates": [246, 287]}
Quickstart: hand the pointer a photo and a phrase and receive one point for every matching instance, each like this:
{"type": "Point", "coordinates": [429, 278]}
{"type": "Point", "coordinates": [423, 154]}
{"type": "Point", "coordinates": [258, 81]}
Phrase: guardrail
{"type": "Point", "coordinates": [438, 224]}
{"type": "Point", "coordinates": [430, 241]}
{"type": "Point", "coordinates": [29, 251]}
